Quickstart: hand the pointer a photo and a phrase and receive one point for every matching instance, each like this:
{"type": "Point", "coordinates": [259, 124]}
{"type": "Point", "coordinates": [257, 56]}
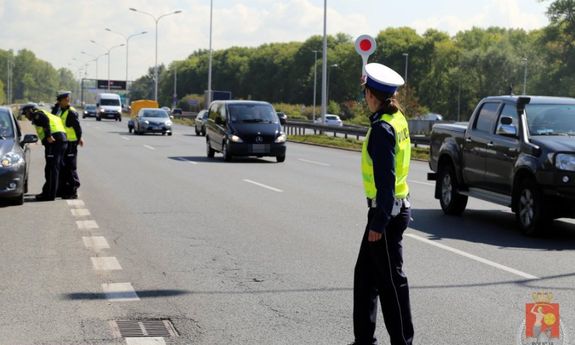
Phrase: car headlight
{"type": "Point", "coordinates": [565, 161]}
{"type": "Point", "coordinates": [146, 122]}
{"type": "Point", "coordinates": [236, 139]}
{"type": "Point", "coordinates": [281, 138]}
{"type": "Point", "coordinates": [11, 159]}
{"type": "Point", "coordinates": [168, 123]}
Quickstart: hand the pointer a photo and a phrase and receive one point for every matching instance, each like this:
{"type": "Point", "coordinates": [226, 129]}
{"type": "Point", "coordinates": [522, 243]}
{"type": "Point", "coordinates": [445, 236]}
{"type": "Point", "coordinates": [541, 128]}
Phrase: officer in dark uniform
{"type": "Point", "coordinates": [385, 165]}
{"type": "Point", "coordinates": [53, 136]}
{"type": "Point", "coordinates": [69, 179]}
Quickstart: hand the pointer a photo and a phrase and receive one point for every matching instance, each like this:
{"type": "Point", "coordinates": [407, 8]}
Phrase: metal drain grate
{"type": "Point", "coordinates": [143, 328]}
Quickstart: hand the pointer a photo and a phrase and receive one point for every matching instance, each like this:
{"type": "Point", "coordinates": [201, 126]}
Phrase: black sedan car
{"type": "Point", "coordinates": [89, 111]}
{"type": "Point", "coordinates": [14, 159]}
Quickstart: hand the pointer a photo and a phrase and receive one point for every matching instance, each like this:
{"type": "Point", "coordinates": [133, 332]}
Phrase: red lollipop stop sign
{"type": "Point", "coordinates": [365, 46]}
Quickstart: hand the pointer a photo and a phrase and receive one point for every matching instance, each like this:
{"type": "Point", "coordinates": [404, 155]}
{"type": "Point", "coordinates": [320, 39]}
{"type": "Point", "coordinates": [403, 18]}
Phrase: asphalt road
{"type": "Point", "coordinates": [253, 252]}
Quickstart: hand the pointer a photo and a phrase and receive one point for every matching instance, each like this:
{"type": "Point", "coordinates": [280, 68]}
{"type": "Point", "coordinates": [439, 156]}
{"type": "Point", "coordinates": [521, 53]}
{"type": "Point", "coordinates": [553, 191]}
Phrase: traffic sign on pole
{"type": "Point", "coordinates": [365, 46]}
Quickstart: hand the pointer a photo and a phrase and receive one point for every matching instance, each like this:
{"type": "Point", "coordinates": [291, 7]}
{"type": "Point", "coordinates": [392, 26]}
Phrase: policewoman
{"type": "Point", "coordinates": [52, 133]}
{"type": "Point", "coordinates": [385, 165]}
{"type": "Point", "coordinates": [69, 179]}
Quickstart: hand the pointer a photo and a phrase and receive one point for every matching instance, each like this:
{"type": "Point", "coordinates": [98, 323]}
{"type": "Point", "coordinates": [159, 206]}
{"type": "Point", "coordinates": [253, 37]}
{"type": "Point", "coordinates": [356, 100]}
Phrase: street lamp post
{"type": "Point", "coordinates": [324, 66]}
{"type": "Point", "coordinates": [109, 51]}
{"type": "Point", "coordinates": [156, 61]}
{"type": "Point", "coordinates": [127, 38]}
{"type": "Point", "coordinates": [406, 65]}
{"type": "Point", "coordinates": [314, 81]}
{"type": "Point", "coordinates": [524, 75]}
{"type": "Point", "coordinates": [330, 66]}
{"type": "Point", "coordinates": [209, 100]}
{"type": "Point", "coordinates": [96, 58]}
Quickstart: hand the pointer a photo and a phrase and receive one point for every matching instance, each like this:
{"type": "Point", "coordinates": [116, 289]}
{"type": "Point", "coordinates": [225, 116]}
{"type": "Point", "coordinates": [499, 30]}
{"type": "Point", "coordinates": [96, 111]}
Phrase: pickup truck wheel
{"type": "Point", "coordinates": [452, 203]}
{"type": "Point", "coordinates": [530, 213]}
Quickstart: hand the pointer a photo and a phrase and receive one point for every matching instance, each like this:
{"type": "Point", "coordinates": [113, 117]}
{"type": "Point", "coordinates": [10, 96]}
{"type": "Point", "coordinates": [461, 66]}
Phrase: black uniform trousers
{"type": "Point", "coordinates": [54, 154]}
{"type": "Point", "coordinates": [69, 179]}
{"type": "Point", "coordinates": [378, 272]}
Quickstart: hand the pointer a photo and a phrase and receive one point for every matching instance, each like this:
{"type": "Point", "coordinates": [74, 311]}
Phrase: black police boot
{"type": "Point", "coordinates": [42, 197]}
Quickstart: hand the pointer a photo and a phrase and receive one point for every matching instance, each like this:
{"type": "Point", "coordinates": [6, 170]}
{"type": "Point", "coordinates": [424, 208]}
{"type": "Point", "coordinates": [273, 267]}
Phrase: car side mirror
{"type": "Point", "coordinates": [282, 121]}
{"type": "Point", "coordinates": [507, 130]}
{"type": "Point", "coordinates": [172, 117]}
{"type": "Point", "coordinates": [97, 104]}
{"type": "Point", "coordinates": [29, 139]}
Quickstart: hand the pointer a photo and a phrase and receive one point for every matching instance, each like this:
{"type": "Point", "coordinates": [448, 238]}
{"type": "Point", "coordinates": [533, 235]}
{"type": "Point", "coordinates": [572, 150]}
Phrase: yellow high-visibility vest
{"type": "Point", "coordinates": [56, 125]}
{"type": "Point", "coordinates": [402, 158]}
{"type": "Point", "coordinates": [70, 132]}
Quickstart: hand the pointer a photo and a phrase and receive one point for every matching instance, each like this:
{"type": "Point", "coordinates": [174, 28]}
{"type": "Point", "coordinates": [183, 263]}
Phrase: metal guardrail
{"type": "Point", "coordinates": [306, 128]}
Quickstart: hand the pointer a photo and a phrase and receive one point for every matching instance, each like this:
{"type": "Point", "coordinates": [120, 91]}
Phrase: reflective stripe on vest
{"type": "Point", "coordinates": [70, 132]}
{"type": "Point", "coordinates": [402, 158]}
{"type": "Point", "coordinates": [56, 125]}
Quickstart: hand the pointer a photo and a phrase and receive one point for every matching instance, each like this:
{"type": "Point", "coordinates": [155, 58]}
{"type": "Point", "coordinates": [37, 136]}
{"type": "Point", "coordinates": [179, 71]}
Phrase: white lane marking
{"type": "Point", "coordinates": [473, 257]}
{"type": "Point", "coordinates": [125, 138]}
{"type": "Point", "coordinates": [422, 183]}
{"type": "Point", "coordinates": [96, 243]}
{"type": "Point", "coordinates": [109, 263]}
{"type": "Point", "coordinates": [80, 212]}
{"type": "Point", "coordinates": [145, 341]}
{"type": "Point", "coordinates": [313, 162]}
{"type": "Point", "coordinates": [76, 203]}
{"type": "Point", "coordinates": [149, 147]}
{"type": "Point", "coordinates": [263, 186]}
{"type": "Point", "coordinates": [192, 162]}
{"type": "Point", "coordinates": [87, 224]}
{"type": "Point", "coordinates": [120, 292]}
{"type": "Point", "coordinates": [182, 159]}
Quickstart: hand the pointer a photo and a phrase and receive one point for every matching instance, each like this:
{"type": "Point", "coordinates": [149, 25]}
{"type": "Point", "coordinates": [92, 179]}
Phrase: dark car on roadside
{"type": "Point", "coordinates": [200, 122]}
{"type": "Point", "coordinates": [244, 128]}
{"type": "Point", "coordinates": [14, 158]}
{"type": "Point", "coordinates": [89, 111]}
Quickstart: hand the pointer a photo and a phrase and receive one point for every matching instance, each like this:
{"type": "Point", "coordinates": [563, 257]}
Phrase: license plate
{"type": "Point", "coordinates": [259, 148]}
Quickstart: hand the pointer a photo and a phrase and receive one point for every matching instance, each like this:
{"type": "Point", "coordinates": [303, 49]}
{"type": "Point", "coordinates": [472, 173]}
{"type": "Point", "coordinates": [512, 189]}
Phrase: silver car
{"type": "Point", "coordinates": [200, 122]}
{"type": "Point", "coordinates": [152, 120]}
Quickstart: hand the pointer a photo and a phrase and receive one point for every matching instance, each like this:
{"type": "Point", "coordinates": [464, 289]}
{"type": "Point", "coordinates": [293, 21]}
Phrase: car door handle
{"type": "Point", "coordinates": [490, 144]}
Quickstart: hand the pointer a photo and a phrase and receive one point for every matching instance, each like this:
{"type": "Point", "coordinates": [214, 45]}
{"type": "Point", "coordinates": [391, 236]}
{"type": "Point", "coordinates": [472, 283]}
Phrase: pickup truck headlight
{"type": "Point", "coordinates": [281, 138]}
{"type": "Point", "coordinates": [11, 159]}
{"type": "Point", "coordinates": [565, 161]}
{"type": "Point", "coordinates": [236, 139]}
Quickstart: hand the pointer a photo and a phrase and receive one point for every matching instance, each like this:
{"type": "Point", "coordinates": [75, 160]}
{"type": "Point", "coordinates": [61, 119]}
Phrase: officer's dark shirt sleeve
{"type": "Point", "coordinates": [73, 121]}
{"type": "Point", "coordinates": [381, 148]}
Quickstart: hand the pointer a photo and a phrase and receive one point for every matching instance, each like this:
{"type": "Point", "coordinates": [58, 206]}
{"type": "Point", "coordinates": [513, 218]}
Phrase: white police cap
{"type": "Point", "coordinates": [63, 93]}
{"type": "Point", "coordinates": [382, 78]}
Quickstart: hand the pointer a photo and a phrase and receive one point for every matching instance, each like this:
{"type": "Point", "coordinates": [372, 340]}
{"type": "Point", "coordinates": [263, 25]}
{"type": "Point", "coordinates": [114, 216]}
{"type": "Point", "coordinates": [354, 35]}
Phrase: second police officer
{"type": "Point", "coordinates": [69, 179]}
{"type": "Point", "coordinates": [52, 133]}
{"type": "Point", "coordinates": [385, 165]}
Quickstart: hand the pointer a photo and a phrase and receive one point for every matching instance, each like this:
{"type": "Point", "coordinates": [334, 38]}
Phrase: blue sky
{"type": "Point", "coordinates": [58, 30]}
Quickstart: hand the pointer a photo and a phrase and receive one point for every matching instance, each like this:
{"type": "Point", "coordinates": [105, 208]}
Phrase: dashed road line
{"type": "Point", "coordinates": [120, 292]}
{"type": "Point", "coordinates": [314, 162]}
{"type": "Point", "coordinates": [76, 203]}
{"type": "Point", "coordinates": [145, 341]}
{"type": "Point", "coordinates": [263, 186]}
{"type": "Point", "coordinates": [149, 147]}
{"type": "Point", "coordinates": [422, 183]}
{"type": "Point", "coordinates": [125, 138]}
{"type": "Point", "coordinates": [95, 243]}
{"type": "Point", "coordinates": [87, 224]}
{"type": "Point", "coordinates": [473, 257]}
{"type": "Point", "coordinates": [109, 263]}
{"type": "Point", "coordinates": [80, 212]}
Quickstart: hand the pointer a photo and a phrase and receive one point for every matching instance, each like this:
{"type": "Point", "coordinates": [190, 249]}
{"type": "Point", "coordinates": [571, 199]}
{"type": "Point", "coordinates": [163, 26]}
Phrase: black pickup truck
{"type": "Point", "coordinates": [515, 151]}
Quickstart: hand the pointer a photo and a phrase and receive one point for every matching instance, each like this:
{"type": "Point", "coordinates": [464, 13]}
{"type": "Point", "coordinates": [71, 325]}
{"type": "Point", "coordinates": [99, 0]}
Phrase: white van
{"type": "Point", "coordinates": [109, 106]}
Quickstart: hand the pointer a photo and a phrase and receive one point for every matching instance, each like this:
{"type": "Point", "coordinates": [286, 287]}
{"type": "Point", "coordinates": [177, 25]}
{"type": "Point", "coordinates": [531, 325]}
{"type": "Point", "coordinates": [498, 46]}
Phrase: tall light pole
{"type": "Point", "coordinates": [324, 65]}
{"type": "Point", "coordinates": [175, 86]}
{"type": "Point", "coordinates": [314, 80]}
{"type": "Point", "coordinates": [156, 61]}
{"type": "Point", "coordinates": [209, 100]}
{"type": "Point", "coordinates": [109, 50]}
{"type": "Point", "coordinates": [127, 38]}
{"type": "Point", "coordinates": [406, 55]}
{"type": "Point", "coordinates": [96, 58]}
{"type": "Point", "coordinates": [524, 75]}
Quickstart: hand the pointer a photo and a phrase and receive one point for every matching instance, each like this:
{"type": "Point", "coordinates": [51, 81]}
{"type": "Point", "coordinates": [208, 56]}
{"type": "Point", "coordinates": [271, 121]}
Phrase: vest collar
{"type": "Point", "coordinates": [376, 116]}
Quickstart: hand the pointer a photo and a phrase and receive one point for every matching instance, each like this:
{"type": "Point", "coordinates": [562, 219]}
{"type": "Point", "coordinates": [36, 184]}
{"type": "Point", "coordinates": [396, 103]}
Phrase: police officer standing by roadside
{"type": "Point", "coordinates": [385, 165]}
{"type": "Point", "coordinates": [69, 179]}
{"type": "Point", "coordinates": [52, 133]}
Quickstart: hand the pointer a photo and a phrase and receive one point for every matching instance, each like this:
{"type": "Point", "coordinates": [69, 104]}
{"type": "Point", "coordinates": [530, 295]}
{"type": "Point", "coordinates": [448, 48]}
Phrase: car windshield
{"type": "Point", "coordinates": [159, 113]}
{"type": "Point", "coordinates": [252, 113]}
{"type": "Point", "coordinates": [331, 117]}
{"type": "Point", "coordinates": [551, 119]}
{"type": "Point", "coordinates": [108, 101]}
{"type": "Point", "coordinates": [6, 130]}
{"type": "Point", "coordinates": [91, 107]}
